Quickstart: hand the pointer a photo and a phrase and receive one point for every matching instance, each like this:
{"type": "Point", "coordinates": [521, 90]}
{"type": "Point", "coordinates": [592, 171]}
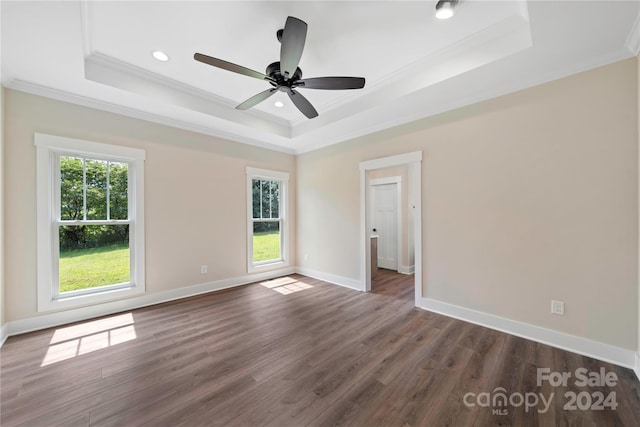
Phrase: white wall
{"type": "Point", "coordinates": [195, 191]}
{"type": "Point", "coordinates": [526, 198]}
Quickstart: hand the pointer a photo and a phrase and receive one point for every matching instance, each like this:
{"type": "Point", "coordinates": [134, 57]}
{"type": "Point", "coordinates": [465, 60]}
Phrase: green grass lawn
{"type": "Point", "coordinates": [90, 268]}
{"type": "Point", "coordinates": [266, 246]}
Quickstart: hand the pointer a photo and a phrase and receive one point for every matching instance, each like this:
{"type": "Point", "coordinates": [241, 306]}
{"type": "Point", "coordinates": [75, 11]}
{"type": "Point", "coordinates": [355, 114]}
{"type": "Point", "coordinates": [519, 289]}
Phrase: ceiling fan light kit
{"type": "Point", "coordinates": [445, 8]}
{"type": "Point", "coordinates": [285, 75]}
{"type": "Point", "coordinates": [160, 55]}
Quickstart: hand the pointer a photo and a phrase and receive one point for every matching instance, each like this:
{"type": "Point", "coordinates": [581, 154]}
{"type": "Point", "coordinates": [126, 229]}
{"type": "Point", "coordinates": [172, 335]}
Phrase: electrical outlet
{"type": "Point", "coordinates": [306, 257]}
{"type": "Point", "coordinates": [557, 307]}
{"type": "Point", "coordinates": [203, 269]}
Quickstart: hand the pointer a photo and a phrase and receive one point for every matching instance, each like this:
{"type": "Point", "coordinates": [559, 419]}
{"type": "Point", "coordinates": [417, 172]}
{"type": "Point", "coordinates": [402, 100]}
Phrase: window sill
{"type": "Point", "coordinates": [254, 268]}
{"type": "Point", "coordinates": [75, 301]}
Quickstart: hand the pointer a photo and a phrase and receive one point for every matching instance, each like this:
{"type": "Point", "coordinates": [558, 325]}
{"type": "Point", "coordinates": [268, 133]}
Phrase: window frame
{"type": "Point", "coordinates": [283, 178]}
{"type": "Point", "coordinates": [49, 149]}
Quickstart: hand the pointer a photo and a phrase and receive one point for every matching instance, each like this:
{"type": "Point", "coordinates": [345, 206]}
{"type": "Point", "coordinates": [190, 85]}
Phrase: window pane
{"type": "Point", "coordinates": [93, 255]}
{"type": "Point", "coordinates": [71, 189]}
{"type": "Point", "coordinates": [266, 241]}
{"type": "Point", "coordinates": [118, 187]}
{"type": "Point", "coordinates": [266, 199]}
{"type": "Point", "coordinates": [255, 188]}
{"type": "Point", "coordinates": [275, 199]}
{"type": "Point", "coordinates": [96, 176]}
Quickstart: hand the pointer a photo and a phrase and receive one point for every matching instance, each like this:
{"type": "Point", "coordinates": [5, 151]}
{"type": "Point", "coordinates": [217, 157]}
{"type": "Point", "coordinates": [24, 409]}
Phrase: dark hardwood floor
{"type": "Point", "coordinates": [292, 351]}
{"type": "Point", "coordinates": [394, 285]}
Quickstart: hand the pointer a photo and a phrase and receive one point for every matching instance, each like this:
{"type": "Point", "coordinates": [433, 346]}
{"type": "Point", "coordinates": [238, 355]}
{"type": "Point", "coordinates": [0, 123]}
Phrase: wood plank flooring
{"type": "Point", "coordinates": [292, 351]}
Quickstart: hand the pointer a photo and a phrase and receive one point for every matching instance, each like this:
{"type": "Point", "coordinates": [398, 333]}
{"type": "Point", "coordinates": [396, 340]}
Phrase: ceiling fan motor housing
{"type": "Point", "coordinates": [273, 71]}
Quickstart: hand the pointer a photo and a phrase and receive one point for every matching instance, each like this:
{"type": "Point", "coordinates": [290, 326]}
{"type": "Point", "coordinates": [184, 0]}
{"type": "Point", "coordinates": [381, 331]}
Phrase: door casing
{"type": "Point", "coordinates": [414, 162]}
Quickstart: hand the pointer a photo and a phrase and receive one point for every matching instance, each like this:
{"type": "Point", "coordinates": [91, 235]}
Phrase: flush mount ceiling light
{"type": "Point", "coordinates": [444, 8]}
{"type": "Point", "coordinates": [160, 55]}
{"type": "Point", "coordinates": [279, 104]}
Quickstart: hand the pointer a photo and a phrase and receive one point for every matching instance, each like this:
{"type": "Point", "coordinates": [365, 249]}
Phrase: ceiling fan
{"type": "Point", "coordinates": [285, 75]}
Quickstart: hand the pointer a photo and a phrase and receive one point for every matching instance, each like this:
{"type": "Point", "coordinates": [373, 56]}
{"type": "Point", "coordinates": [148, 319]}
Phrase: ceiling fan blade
{"type": "Point", "coordinates": [256, 99]}
{"type": "Point", "coordinates": [229, 66]}
{"type": "Point", "coordinates": [303, 104]}
{"type": "Point", "coordinates": [292, 45]}
{"type": "Point", "coordinates": [332, 83]}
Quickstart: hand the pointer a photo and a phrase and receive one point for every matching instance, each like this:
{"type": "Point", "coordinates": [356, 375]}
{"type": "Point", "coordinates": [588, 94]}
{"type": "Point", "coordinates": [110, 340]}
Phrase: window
{"type": "Point", "coordinates": [90, 222]}
{"type": "Point", "coordinates": [267, 227]}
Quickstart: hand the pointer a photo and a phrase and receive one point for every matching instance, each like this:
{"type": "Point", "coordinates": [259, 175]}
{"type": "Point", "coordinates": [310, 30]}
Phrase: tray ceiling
{"type": "Point", "coordinates": [99, 54]}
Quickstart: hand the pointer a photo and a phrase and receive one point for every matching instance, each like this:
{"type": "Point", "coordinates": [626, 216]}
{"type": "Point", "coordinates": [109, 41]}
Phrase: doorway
{"type": "Point", "coordinates": [413, 162]}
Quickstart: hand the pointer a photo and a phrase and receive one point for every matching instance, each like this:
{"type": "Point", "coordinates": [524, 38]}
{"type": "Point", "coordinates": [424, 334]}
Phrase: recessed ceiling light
{"type": "Point", "coordinates": [444, 9]}
{"type": "Point", "coordinates": [160, 55]}
{"type": "Point", "coordinates": [279, 104]}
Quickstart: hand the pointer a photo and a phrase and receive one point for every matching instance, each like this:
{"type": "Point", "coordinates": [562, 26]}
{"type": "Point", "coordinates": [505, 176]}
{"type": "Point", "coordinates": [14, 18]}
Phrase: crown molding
{"type": "Point", "coordinates": [105, 69]}
{"type": "Point", "coordinates": [84, 101]}
{"type": "Point", "coordinates": [345, 121]}
{"type": "Point", "coordinates": [112, 72]}
{"type": "Point", "coordinates": [494, 43]}
{"type": "Point", "coordinates": [383, 121]}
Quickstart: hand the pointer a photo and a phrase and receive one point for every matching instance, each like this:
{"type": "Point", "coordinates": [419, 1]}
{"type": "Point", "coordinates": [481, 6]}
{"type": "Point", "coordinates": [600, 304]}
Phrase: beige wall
{"type": "Point", "coordinates": [526, 198]}
{"type": "Point", "coordinates": [638, 100]}
{"type": "Point", "coordinates": [403, 173]}
{"type": "Point", "coordinates": [195, 195]}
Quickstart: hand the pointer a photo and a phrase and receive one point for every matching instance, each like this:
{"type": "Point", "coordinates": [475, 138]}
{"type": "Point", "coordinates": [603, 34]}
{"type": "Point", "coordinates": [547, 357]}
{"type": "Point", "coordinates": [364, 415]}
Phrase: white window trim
{"type": "Point", "coordinates": [283, 177]}
{"type": "Point", "coordinates": [48, 147]}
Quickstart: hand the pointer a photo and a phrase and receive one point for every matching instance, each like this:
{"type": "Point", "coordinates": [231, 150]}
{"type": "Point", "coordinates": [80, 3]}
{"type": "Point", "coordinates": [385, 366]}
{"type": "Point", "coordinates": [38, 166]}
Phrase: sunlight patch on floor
{"type": "Point", "coordinates": [294, 287]}
{"type": "Point", "coordinates": [285, 285]}
{"type": "Point", "coordinates": [87, 337]}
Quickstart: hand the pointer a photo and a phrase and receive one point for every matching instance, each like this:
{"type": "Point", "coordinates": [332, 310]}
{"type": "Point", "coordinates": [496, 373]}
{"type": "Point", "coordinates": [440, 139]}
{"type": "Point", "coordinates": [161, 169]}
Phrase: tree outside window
{"type": "Point", "coordinates": [93, 233]}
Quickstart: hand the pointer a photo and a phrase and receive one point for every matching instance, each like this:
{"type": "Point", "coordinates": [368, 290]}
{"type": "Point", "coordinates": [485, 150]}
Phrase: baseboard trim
{"type": "Point", "coordinates": [49, 320]}
{"type": "Point", "coordinates": [331, 278]}
{"type": "Point", "coordinates": [3, 334]}
{"type": "Point", "coordinates": [406, 269]}
{"type": "Point", "coordinates": [598, 350]}
{"type": "Point", "coordinates": [606, 352]}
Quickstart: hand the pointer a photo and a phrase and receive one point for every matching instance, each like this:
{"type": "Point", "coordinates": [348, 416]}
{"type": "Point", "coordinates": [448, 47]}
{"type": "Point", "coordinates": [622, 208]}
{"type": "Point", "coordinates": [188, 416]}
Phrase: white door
{"type": "Point", "coordinates": [385, 224]}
